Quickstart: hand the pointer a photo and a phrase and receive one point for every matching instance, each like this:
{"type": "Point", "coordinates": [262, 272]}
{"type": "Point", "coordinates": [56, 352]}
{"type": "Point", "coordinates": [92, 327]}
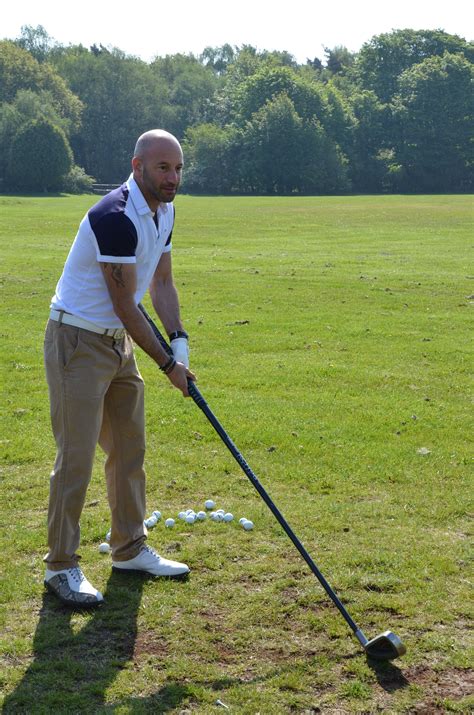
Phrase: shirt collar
{"type": "Point", "coordinates": [139, 200]}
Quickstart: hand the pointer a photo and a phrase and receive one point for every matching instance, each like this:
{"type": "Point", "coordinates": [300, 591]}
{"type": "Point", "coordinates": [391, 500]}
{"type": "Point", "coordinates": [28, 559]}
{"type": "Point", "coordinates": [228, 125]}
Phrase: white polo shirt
{"type": "Point", "coordinates": [120, 228]}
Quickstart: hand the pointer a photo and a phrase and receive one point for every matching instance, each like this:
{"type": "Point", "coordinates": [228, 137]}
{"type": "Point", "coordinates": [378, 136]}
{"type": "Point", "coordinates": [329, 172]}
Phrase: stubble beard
{"type": "Point", "coordinates": [157, 193]}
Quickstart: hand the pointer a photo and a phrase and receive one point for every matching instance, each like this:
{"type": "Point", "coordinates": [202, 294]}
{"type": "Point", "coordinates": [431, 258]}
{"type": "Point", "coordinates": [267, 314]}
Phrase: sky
{"type": "Point", "coordinates": [302, 27]}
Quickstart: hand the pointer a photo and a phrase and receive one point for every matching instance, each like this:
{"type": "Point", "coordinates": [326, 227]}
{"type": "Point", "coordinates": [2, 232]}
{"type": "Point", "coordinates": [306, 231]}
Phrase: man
{"type": "Point", "coordinates": [122, 249]}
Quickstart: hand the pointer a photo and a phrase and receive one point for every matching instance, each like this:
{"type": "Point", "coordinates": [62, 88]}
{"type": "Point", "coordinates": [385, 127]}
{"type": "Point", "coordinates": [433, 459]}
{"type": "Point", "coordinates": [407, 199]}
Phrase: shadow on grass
{"type": "Point", "coordinates": [169, 697]}
{"type": "Point", "coordinates": [77, 657]}
{"type": "Point", "coordinates": [389, 677]}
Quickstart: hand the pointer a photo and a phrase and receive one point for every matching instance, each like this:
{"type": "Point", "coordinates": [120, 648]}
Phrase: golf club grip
{"type": "Point", "coordinates": [194, 393]}
{"type": "Point", "coordinates": [158, 335]}
{"type": "Point", "coordinates": [202, 404]}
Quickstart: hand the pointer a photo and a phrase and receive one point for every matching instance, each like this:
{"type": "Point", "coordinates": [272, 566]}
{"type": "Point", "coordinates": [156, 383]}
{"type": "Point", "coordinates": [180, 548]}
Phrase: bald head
{"type": "Point", "coordinates": [157, 165]}
{"type": "Point", "coordinates": [150, 140]}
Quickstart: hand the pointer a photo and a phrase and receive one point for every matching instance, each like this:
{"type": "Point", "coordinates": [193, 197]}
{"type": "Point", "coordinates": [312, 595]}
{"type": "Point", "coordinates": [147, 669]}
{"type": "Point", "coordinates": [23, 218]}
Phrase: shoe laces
{"type": "Point", "coordinates": [150, 550]}
{"type": "Point", "coordinates": [77, 574]}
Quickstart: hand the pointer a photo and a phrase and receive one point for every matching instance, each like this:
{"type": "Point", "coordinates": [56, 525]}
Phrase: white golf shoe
{"type": "Point", "coordinates": [148, 561]}
{"type": "Point", "coordinates": [72, 588]}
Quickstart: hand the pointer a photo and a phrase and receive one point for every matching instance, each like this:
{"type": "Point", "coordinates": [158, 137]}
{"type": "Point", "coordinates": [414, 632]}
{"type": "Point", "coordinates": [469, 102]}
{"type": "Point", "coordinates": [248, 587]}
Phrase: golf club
{"type": "Point", "coordinates": [386, 645]}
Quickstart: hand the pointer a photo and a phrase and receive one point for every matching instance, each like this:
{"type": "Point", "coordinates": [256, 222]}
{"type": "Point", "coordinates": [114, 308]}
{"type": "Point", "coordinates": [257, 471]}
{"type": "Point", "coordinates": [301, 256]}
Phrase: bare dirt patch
{"type": "Point", "coordinates": [147, 644]}
{"type": "Point", "coordinates": [452, 684]}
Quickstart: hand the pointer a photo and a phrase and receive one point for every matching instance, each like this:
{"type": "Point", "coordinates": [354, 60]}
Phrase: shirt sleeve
{"type": "Point", "coordinates": [116, 238]}
{"type": "Point", "coordinates": [168, 244]}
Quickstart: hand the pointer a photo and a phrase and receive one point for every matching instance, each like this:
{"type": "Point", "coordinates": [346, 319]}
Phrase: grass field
{"type": "Point", "coordinates": [332, 338]}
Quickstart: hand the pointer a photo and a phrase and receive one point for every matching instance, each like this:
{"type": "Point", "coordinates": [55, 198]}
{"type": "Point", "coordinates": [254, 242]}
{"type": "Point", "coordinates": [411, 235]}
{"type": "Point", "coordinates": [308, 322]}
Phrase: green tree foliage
{"type": "Point", "coordinates": [269, 81]}
{"type": "Point", "coordinates": [382, 60]}
{"type": "Point", "coordinates": [368, 140]}
{"type": "Point", "coordinates": [29, 91]}
{"type": "Point", "coordinates": [315, 64]}
{"type": "Point", "coordinates": [122, 99]}
{"type": "Point", "coordinates": [325, 166]}
{"type": "Point", "coordinates": [434, 108]}
{"type": "Point", "coordinates": [30, 105]}
{"type": "Point", "coordinates": [187, 87]}
{"type": "Point", "coordinates": [20, 71]}
{"type": "Point", "coordinates": [339, 59]}
{"type": "Point", "coordinates": [225, 101]}
{"type": "Point", "coordinates": [36, 41]}
{"type": "Point", "coordinates": [337, 118]}
{"type": "Point", "coordinates": [218, 58]}
{"type": "Point", "coordinates": [395, 116]}
{"type": "Point", "coordinates": [40, 157]}
{"type": "Point", "coordinates": [26, 107]}
{"type": "Point", "coordinates": [283, 153]}
{"type": "Point", "coordinates": [273, 151]}
{"type": "Point", "coordinates": [246, 63]}
{"type": "Point", "coordinates": [210, 167]}
{"type": "Point", "coordinates": [76, 181]}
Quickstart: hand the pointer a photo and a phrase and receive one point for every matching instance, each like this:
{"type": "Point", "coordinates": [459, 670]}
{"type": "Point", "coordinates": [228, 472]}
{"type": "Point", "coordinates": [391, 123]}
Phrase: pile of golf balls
{"type": "Point", "coordinates": [221, 515]}
{"type": "Point", "coordinates": [188, 516]}
{"type": "Point", "coordinates": [152, 520]}
{"type": "Point", "coordinates": [246, 524]}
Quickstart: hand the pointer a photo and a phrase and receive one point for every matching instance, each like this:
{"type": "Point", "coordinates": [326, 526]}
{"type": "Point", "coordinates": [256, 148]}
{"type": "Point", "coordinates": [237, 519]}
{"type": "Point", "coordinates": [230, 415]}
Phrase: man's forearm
{"type": "Point", "coordinates": [164, 297]}
{"type": "Point", "coordinates": [141, 333]}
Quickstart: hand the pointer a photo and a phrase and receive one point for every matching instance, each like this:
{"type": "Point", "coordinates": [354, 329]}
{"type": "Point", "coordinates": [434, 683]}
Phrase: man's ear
{"type": "Point", "coordinates": [137, 165]}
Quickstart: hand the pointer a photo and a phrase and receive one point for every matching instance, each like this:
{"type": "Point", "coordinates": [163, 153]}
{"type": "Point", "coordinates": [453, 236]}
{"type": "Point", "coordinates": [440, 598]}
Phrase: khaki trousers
{"type": "Point", "coordinates": [96, 396]}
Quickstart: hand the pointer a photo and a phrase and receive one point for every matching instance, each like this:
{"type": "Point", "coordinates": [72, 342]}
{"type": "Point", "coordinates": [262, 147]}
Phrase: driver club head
{"type": "Point", "coordinates": [385, 646]}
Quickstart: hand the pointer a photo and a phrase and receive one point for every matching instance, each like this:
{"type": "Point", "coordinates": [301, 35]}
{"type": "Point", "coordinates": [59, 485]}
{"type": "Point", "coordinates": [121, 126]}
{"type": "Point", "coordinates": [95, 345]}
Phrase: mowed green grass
{"type": "Point", "coordinates": [332, 337]}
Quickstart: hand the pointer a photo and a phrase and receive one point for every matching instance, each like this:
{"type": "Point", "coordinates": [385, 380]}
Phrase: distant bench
{"type": "Point", "coordinates": [104, 188]}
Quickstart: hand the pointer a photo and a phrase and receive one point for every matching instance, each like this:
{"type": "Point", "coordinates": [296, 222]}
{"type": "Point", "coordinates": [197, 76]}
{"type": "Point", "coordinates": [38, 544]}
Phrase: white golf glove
{"type": "Point", "coordinates": [180, 349]}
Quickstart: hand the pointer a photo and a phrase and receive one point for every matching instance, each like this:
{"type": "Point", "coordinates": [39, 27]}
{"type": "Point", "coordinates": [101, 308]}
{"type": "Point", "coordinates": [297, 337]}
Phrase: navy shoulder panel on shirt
{"type": "Point", "coordinates": [115, 233]}
{"type": "Point", "coordinates": [168, 241]}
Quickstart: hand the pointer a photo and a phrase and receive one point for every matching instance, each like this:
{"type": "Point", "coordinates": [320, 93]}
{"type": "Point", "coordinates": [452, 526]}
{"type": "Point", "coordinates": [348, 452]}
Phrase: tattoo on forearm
{"type": "Point", "coordinates": [117, 274]}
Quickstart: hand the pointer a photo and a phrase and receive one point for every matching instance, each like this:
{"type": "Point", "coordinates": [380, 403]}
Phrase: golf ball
{"type": "Point", "coordinates": [190, 519]}
{"type": "Point", "coordinates": [215, 516]}
{"type": "Point", "coordinates": [242, 519]}
{"type": "Point", "coordinates": [108, 535]}
{"type": "Point", "coordinates": [182, 515]}
{"type": "Point", "coordinates": [104, 548]}
{"type": "Point", "coordinates": [157, 515]}
{"type": "Point", "coordinates": [220, 511]}
{"type": "Point", "coordinates": [209, 504]}
{"type": "Point", "coordinates": [201, 515]}
{"type": "Point", "coordinates": [151, 522]}
{"type": "Point", "coordinates": [248, 525]}
{"type": "Point", "coordinates": [169, 523]}
{"type": "Point", "coordinates": [228, 516]}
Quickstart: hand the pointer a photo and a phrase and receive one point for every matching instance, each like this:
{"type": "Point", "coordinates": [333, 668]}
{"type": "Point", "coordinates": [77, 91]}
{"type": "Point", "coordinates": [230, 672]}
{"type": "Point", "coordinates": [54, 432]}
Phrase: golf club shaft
{"type": "Point", "coordinates": [202, 404]}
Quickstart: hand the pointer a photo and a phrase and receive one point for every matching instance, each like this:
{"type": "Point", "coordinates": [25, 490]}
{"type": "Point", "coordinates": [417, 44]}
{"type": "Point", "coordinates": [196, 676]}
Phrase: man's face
{"type": "Point", "coordinates": [158, 173]}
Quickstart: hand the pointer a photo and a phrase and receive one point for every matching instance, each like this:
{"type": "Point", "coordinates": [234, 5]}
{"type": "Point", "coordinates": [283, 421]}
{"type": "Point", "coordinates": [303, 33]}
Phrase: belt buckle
{"type": "Point", "coordinates": [115, 333]}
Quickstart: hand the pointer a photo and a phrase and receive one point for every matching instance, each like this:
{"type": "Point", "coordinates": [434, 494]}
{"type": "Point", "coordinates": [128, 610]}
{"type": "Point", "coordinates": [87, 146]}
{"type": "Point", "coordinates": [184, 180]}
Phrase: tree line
{"type": "Point", "coordinates": [394, 117]}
